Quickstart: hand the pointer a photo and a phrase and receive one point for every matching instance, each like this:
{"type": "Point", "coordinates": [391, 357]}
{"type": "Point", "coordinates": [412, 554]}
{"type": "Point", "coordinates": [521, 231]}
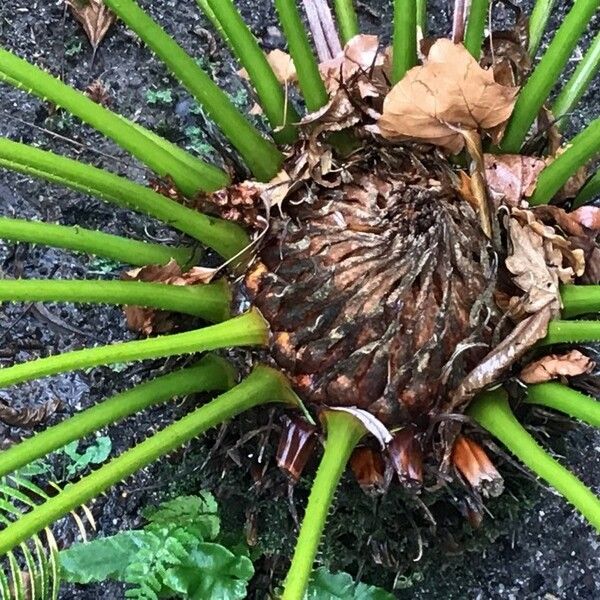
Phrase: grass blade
{"type": "Point", "coordinates": [271, 94]}
{"type": "Point", "coordinates": [309, 77]}
{"type": "Point", "coordinates": [582, 148]}
{"type": "Point", "coordinates": [209, 301]}
{"type": "Point", "coordinates": [476, 22]}
{"type": "Point", "coordinates": [578, 83]}
{"type": "Point", "coordinates": [347, 19]}
{"type": "Point", "coordinates": [249, 329]}
{"type": "Point", "coordinates": [190, 174]}
{"type": "Point", "coordinates": [404, 55]}
{"type": "Point", "coordinates": [211, 373]}
{"type": "Point", "coordinates": [223, 236]}
{"type": "Point", "coordinates": [564, 399]}
{"type": "Point", "coordinates": [262, 156]}
{"type": "Point", "coordinates": [97, 243]}
{"type": "Point", "coordinates": [262, 386]}
{"type": "Point", "coordinates": [540, 83]}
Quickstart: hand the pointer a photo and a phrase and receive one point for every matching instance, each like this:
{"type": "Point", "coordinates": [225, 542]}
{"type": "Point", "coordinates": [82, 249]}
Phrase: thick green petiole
{"type": "Point", "coordinates": [478, 17]}
{"type": "Point", "coordinates": [228, 239]}
{"type": "Point", "coordinates": [344, 431]}
{"type": "Point", "coordinates": [542, 80]}
{"type": "Point", "coordinates": [537, 24]}
{"type": "Point", "coordinates": [272, 97]}
{"type": "Point", "coordinates": [210, 301]}
{"type": "Point", "coordinates": [262, 156]}
{"type": "Point", "coordinates": [571, 332]}
{"type": "Point", "coordinates": [578, 83]}
{"type": "Point", "coordinates": [493, 413]}
{"type": "Point", "coordinates": [422, 16]}
{"type": "Point", "coordinates": [347, 19]}
{"type": "Point", "coordinates": [211, 373]}
{"type": "Point", "coordinates": [580, 300]}
{"type": "Point", "coordinates": [582, 148]}
{"type": "Point", "coordinates": [564, 399]}
{"type": "Point", "coordinates": [190, 174]}
{"type": "Point", "coordinates": [93, 242]}
{"type": "Point", "coordinates": [262, 386]}
{"type": "Point", "coordinates": [249, 329]}
{"type": "Point", "coordinates": [309, 77]}
{"type": "Point", "coordinates": [589, 191]}
{"type": "Point", "coordinates": [404, 52]}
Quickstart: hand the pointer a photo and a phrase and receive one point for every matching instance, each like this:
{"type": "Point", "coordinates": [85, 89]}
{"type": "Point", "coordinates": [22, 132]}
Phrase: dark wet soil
{"type": "Point", "coordinates": [547, 552]}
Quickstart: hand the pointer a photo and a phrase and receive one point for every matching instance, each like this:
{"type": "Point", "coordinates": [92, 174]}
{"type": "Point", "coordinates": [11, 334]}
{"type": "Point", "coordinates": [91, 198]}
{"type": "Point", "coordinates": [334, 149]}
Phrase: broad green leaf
{"type": "Point", "coordinates": [211, 571]}
{"type": "Point", "coordinates": [199, 511]}
{"type": "Point", "coordinates": [94, 454]}
{"type": "Point", "coordinates": [102, 559]}
{"type": "Point", "coordinates": [340, 586]}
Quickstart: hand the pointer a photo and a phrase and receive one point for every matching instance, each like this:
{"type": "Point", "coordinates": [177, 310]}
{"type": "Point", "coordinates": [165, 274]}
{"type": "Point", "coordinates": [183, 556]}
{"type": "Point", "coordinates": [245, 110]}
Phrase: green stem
{"type": "Point", "coordinates": [92, 242]}
{"type": "Point", "coordinates": [262, 156]}
{"type": "Point", "coordinates": [571, 332]}
{"type": "Point", "coordinates": [580, 300]}
{"type": "Point", "coordinates": [211, 373]}
{"type": "Point", "coordinates": [493, 413]}
{"type": "Point", "coordinates": [344, 431]}
{"type": "Point", "coordinates": [272, 97]}
{"type": "Point", "coordinates": [564, 399]}
{"type": "Point", "coordinates": [581, 149]}
{"type": "Point", "coordinates": [478, 17]}
{"type": "Point", "coordinates": [542, 80]}
{"type": "Point", "coordinates": [422, 16]}
{"type": "Point", "coordinates": [249, 329]}
{"type": "Point", "coordinates": [589, 191]}
{"type": "Point", "coordinates": [309, 77]}
{"type": "Point", "coordinates": [578, 83]}
{"type": "Point", "coordinates": [190, 174]}
{"type": "Point", "coordinates": [210, 15]}
{"type": "Point", "coordinates": [405, 38]}
{"type": "Point", "coordinates": [347, 19]}
{"type": "Point", "coordinates": [210, 301]}
{"type": "Point", "coordinates": [537, 23]}
{"type": "Point", "coordinates": [262, 386]}
{"type": "Point", "coordinates": [228, 239]}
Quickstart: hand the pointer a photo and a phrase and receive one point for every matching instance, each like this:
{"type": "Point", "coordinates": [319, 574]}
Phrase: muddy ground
{"type": "Point", "coordinates": [546, 552]}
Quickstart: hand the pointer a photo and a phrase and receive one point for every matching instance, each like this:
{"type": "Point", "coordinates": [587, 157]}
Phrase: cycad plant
{"type": "Point", "coordinates": [408, 248]}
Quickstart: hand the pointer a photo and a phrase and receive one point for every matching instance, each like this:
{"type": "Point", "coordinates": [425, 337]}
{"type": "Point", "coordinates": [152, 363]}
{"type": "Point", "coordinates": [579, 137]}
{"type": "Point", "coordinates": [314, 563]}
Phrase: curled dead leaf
{"type": "Point", "coordinates": [28, 416]}
{"type": "Point", "coordinates": [451, 92]}
{"type": "Point", "coordinates": [282, 65]}
{"type": "Point", "coordinates": [511, 177]}
{"type": "Point", "coordinates": [150, 320]}
{"type": "Point", "coordinates": [370, 471]}
{"type": "Point", "coordinates": [94, 17]}
{"type": "Point", "coordinates": [555, 366]}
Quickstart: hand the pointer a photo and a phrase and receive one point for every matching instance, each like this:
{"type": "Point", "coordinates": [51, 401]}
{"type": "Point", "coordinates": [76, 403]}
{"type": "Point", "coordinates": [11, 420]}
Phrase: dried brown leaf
{"type": "Point", "coordinates": [369, 468]}
{"type": "Point", "coordinates": [97, 92]}
{"type": "Point", "coordinates": [28, 416]}
{"type": "Point", "coordinates": [296, 445]}
{"type": "Point", "coordinates": [94, 17]}
{"type": "Point", "coordinates": [512, 177]}
{"type": "Point", "coordinates": [555, 366]}
{"type": "Point", "coordinates": [511, 349]}
{"type": "Point", "coordinates": [283, 67]}
{"type": "Point", "coordinates": [451, 92]}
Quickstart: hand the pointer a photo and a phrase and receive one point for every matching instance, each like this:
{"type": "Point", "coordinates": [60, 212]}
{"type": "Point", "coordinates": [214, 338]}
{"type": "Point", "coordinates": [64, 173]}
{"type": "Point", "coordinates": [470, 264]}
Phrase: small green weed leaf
{"type": "Point", "coordinates": [101, 559]}
{"type": "Point", "coordinates": [159, 96]}
{"type": "Point", "coordinates": [199, 511]}
{"type": "Point", "coordinates": [340, 586]}
{"type": "Point", "coordinates": [211, 571]}
{"type": "Point", "coordinates": [94, 454]}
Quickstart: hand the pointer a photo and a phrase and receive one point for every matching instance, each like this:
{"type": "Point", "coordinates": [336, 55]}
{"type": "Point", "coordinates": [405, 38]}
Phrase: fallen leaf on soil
{"type": "Point", "coordinates": [450, 92]}
{"type": "Point", "coordinates": [97, 92]}
{"type": "Point", "coordinates": [28, 416]}
{"type": "Point", "coordinates": [282, 65]}
{"type": "Point", "coordinates": [511, 349]}
{"type": "Point", "coordinates": [511, 177]}
{"type": "Point", "coordinates": [95, 18]}
{"type": "Point", "coordinates": [555, 366]}
{"type": "Point", "coordinates": [150, 320]}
